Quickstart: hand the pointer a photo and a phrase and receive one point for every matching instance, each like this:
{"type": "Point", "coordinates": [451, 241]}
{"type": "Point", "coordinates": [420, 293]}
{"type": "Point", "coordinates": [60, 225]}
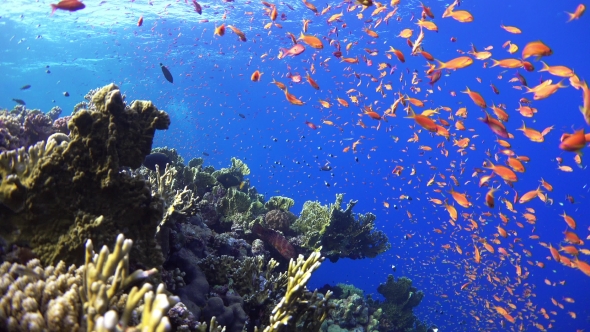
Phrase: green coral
{"type": "Point", "coordinates": [338, 232]}
{"type": "Point", "coordinates": [234, 207]}
{"type": "Point", "coordinates": [400, 299]}
{"type": "Point", "coordinates": [279, 203]}
{"type": "Point", "coordinates": [55, 191]}
{"type": "Point", "coordinates": [238, 169]}
{"type": "Point", "coordinates": [347, 290]}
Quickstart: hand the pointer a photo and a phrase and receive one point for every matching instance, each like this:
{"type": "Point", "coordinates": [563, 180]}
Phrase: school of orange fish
{"type": "Point", "coordinates": [513, 306]}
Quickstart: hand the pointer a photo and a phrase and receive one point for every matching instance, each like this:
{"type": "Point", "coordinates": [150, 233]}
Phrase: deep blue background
{"type": "Point", "coordinates": [102, 44]}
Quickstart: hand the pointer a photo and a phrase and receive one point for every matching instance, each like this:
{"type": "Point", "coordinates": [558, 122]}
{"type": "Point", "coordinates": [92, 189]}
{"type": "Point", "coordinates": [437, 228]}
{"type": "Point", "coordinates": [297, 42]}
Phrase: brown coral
{"type": "Point", "coordinates": [55, 191]}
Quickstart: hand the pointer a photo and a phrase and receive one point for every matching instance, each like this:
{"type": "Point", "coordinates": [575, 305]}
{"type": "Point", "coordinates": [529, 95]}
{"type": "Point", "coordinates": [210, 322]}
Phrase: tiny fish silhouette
{"type": "Point", "coordinates": [167, 73]}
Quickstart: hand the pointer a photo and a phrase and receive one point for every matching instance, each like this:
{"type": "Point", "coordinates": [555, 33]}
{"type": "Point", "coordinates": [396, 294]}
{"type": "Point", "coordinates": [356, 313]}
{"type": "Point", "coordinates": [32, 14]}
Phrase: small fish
{"type": "Point", "coordinates": [293, 51]}
{"type": "Point", "coordinates": [25, 87]}
{"type": "Point", "coordinates": [167, 73]}
{"type": "Point", "coordinates": [256, 76]}
{"type": "Point", "coordinates": [205, 154]}
{"type": "Point", "coordinates": [242, 116]}
{"type": "Point", "coordinates": [66, 94]}
{"type": "Point", "coordinates": [19, 101]}
{"type": "Point", "coordinates": [198, 8]}
{"type": "Point", "coordinates": [69, 5]}
{"type": "Point", "coordinates": [140, 21]}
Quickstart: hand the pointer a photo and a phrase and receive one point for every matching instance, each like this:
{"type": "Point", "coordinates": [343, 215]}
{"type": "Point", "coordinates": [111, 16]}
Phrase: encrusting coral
{"type": "Point", "coordinates": [84, 298]}
{"type": "Point", "coordinates": [52, 193]}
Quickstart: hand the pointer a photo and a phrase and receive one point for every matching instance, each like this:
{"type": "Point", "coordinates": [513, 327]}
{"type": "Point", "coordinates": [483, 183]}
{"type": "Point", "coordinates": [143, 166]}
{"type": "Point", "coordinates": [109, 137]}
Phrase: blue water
{"type": "Point", "coordinates": [102, 44]}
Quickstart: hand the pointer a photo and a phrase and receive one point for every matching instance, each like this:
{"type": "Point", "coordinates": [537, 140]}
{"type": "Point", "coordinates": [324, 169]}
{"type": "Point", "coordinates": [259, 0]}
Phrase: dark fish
{"type": "Point", "coordinates": [228, 180]}
{"type": "Point", "coordinates": [205, 154]}
{"type": "Point", "coordinates": [242, 116]}
{"type": "Point", "coordinates": [326, 167]}
{"type": "Point", "coordinates": [25, 87]}
{"type": "Point", "coordinates": [167, 73]}
{"type": "Point", "coordinates": [197, 7]}
{"type": "Point", "coordinates": [66, 94]}
{"type": "Point", "coordinates": [157, 158]}
{"type": "Point", "coordinates": [19, 101]}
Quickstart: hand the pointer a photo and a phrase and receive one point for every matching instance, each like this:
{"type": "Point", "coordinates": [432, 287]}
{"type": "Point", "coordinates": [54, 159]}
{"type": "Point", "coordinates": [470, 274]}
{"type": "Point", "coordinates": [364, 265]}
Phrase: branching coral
{"type": "Point", "coordinates": [80, 299]}
{"type": "Point", "coordinates": [339, 232]}
{"type": "Point", "coordinates": [297, 302]}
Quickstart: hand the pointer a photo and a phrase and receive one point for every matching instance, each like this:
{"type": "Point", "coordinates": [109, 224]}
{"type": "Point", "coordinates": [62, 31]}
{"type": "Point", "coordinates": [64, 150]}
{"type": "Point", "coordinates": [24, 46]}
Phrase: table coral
{"type": "Point", "coordinates": [338, 232]}
{"type": "Point", "coordinates": [400, 299]}
{"type": "Point", "coordinates": [53, 192]}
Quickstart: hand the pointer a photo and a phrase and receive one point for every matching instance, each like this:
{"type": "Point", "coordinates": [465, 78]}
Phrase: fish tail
{"type": "Point", "coordinates": [572, 16]}
{"type": "Point", "coordinates": [495, 63]}
{"type": "Point", "coordinates": [545, 67]}
{"type": "Point", "coordinates": [53, 8]}
{"type": "Point", "coordinates": [441, 65]}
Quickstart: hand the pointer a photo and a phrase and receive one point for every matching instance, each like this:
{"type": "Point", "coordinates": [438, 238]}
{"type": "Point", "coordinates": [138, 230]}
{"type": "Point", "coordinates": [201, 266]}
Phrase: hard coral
{"type": "Point", "coordinates": [338, 232]}
{"type": "Point", "coordinates": [53, 192]}
{"type": "Point", "coordinates": [400, 299]}
{"type": "Point", "coordinates": [89, 297]}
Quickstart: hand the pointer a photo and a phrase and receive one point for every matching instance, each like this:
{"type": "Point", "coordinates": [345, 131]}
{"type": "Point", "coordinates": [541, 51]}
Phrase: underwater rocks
{"type": "Point", "coordinates": [52, 193]}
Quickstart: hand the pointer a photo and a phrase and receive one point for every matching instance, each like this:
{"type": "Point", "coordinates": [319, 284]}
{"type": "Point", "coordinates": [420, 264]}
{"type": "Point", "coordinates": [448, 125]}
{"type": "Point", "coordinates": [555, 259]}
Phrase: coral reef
{"type": "Point", "coordinates": [22, 127]}
{"type": "Point", "coordinates": [300, 309]}
{"type": "Point", "coordinates": [400, 299]}
{"type": "Point", "coordinates": [52, 193]}
{"type": "Point", "coordinates": [338, 232]}
{"type": "Point", "coordinates": [88, 298]}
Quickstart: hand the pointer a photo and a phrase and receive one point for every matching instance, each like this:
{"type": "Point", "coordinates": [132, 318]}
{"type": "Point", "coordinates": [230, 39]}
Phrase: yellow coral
{"type": "Point", "coordinates": [299, 273]}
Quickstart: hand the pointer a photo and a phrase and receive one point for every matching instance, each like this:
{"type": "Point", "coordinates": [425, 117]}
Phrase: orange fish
{"type": "Point", "coordinates": [342, 102]}
{"type": "Point", "coordinates": [574, 142]}
{"type": "Point", "coordinates": [504, 172]}
{"type": "Point", "coordinates": [585, 109]}
{"type": "Point", "coordinates": [398, 54]}
{"type": "Point", "coordinates": [577, 14]}
{"type": "Point", "coordinates": [530, 195]}
{"type": "Point", "coordinates": [510, 29]}
{"type": "Point", "coordinates": [220, 30]}
{"type": "Point", "coordinates": [292, 99]}
{"type": "Point", "coordinates": [311, 125]}
{"type": "Point", "coordinates": [496, 126]}
{"type": "Point", "coordinates": [140, 21]}
{"type": "Point", "coordinates": [312, 41]}
{"type": "Point", "coordinates": [279, 85]}
{"type": "Point", "coordinates": [569, 221]}
{"type": "Point", "coordinates": [312, 82]}
{"type": "Point", "coordinates": [537, 49]}
{"type": "Point", "coordinates": [238, 32]}
{"type": "Point", "coordinates": [561, 71]}
{"type": "Point", "coordinates": [462, 16]}
{"type": "Point", "coordinates": [507, 63]}
{"type": "Point", "coordinates": [460, 198]}
{"type": "Point", "coordinates": [69, 5]}
{"type": "Point", "coordinates": [424, 121]}
{"type": "Point", "coordinates": [256, 76]}
{"type": "Point", "coordinates": [476, 97]}
{"type": "Point", "coordinates": [457, 63]}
